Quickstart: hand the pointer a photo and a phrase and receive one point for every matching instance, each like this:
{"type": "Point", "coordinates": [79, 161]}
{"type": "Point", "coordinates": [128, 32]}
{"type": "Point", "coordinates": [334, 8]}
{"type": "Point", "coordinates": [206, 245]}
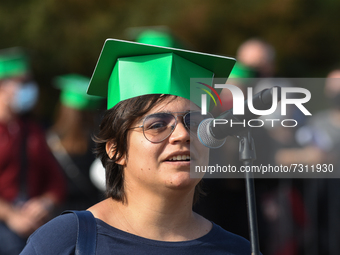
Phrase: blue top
{"type": "Point", "coordinates": [60, 234]}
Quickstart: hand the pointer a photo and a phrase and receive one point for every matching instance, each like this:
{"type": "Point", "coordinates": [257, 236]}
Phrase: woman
{"type": "Point", "coordinates": [146, 143]}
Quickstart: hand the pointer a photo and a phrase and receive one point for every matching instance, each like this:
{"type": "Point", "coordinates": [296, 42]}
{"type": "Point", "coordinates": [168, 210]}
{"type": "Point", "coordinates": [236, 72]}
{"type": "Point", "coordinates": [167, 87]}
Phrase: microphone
{"type": "Point", "coordinates": [214, 136]}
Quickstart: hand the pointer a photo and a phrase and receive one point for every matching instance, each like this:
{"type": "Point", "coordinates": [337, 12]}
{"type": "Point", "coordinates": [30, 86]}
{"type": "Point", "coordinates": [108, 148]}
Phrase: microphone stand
{"type": "Point", "coordinates": [247, 155]}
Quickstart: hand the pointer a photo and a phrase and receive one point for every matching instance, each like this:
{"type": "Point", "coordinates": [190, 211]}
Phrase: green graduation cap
{"type": "Point", "coordinates": [159, 37]}
{"type": "Point", "coordinates": [242, 71]}
{"type": "Point", "coordinates": [129, 69]}
{"type": "Point", "coordinates": [154, 35]}
{"type": "Point", "coordinates": [73, 92]}
{"type": "Point", "coordinates": [13, 63]}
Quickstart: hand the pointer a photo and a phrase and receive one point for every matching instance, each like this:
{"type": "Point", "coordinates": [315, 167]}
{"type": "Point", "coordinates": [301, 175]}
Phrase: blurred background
{"type": "Point", "coordinates": [299, 39]}
{"type": "Point", "coordinates": [67, 36]}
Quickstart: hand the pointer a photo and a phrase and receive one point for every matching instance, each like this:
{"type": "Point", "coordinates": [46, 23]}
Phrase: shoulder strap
{"type": "Point", "coordinates": [68, 165]}
{"type": "Point", "coordinates": [23, 195]}
{"type": "Point", "coordinates": [86, 234]}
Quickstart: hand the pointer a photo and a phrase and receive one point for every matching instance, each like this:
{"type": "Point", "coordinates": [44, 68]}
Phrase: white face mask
{"type": "Point", "coordinates": [26, 97]}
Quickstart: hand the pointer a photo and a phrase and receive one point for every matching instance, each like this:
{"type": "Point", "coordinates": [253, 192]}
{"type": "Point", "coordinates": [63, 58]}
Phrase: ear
{"type": "Point", "coordinates": [110, 151]}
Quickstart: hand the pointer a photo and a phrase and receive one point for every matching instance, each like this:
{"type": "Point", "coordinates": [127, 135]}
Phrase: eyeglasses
{"type": "Point", "coordinates": [159, 126]}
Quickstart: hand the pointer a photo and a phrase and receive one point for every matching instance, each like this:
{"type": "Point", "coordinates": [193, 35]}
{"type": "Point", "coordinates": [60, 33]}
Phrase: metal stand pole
{"type": "Point", "coordinates": [247, 155]}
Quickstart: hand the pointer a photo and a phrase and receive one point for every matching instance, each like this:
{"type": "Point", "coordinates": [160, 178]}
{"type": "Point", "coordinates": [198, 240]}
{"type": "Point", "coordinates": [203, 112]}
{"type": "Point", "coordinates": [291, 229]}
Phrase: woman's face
{"type": "Point", "coordinates": [154, 166]}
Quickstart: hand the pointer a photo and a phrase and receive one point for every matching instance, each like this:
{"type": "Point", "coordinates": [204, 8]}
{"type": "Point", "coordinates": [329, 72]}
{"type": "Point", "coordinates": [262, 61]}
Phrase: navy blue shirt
{"type": "Point", "coordinates": [59, 237]}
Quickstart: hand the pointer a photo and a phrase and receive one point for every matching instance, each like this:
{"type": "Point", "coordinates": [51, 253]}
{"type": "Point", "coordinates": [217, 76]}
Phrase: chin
{"type": "Point", "coordinates": [182, 181]}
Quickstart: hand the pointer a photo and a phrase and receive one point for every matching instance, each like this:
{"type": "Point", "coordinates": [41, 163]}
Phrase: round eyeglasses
{"type": "Point", "coordinates": [159, 126]}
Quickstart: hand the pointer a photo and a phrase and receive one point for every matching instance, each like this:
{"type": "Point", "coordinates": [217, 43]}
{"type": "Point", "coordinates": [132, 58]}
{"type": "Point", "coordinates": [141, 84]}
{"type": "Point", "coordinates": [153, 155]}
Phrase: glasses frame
{"type": "Point", "coordinates": [173, 127]}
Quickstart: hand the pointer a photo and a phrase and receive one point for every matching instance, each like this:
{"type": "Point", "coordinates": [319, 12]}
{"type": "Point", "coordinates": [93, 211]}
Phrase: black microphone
{"type": "Point", "coordinates": [213, 135]}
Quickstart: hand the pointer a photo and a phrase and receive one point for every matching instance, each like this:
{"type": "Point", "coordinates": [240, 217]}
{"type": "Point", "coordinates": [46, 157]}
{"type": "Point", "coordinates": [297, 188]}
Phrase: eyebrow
{"type": "Point", "coordinates": [168, 112]}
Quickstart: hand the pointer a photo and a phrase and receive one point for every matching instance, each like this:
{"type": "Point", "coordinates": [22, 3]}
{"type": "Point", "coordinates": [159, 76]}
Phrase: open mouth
{"type": "Point", "coordinates": [179, 158]}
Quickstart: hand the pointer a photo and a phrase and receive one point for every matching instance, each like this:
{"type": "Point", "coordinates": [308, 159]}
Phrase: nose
{"type": "Point", "coordinates": [180, 133]}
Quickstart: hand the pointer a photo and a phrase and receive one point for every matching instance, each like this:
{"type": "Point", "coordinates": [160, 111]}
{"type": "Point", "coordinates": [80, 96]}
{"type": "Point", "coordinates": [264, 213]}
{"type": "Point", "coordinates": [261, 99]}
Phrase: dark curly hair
{"type": "Point", "coordinates": [114, 128]}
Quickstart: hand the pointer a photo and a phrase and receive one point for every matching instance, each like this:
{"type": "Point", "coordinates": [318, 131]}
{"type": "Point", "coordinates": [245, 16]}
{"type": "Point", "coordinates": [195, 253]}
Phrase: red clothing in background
{"type": "Point", "coordinates": [44, 175]}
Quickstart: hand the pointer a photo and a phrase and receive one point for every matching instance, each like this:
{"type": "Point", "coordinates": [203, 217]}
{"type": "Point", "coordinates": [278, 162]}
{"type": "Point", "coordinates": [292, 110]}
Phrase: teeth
{"type": "Point", "coordinates": [180, 157]}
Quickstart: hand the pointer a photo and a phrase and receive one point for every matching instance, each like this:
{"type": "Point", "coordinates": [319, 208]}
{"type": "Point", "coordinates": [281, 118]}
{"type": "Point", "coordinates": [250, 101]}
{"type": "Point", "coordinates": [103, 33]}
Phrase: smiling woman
{"type": "Point", "coordinates": [146, 143]}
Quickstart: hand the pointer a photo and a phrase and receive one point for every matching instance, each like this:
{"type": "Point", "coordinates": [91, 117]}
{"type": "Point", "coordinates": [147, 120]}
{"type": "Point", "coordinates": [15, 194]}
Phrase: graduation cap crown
{"type": "Point", "coordinates": [129, 69]}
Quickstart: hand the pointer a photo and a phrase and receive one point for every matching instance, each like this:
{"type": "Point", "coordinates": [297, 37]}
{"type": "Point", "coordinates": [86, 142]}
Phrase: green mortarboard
{"type": "Point", "coordinates": [155, 37]}
{"type": "Point", "coordinates": [129, 69]}
{"type": "Point", "coordinates": [73, 92]}
{"type": "Point", "coordinates": [242, 71]}
{"type": "Point", "coordinates": [13, 63]}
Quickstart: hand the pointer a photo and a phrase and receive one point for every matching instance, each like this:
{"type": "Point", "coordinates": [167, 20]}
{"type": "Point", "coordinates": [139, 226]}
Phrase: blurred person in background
{"type": "Point", "coordinates": [31, 181]}
{"type": "Point", "coordinates": [281, 204]}
{"type": "Point", "coordinates": [258, 56]}
{"type": "Point", "coordinates": [319, 143]}
{"type": "Point", "coordinates": [255, 59]}
{"type": "Point", "coordinates": [281, 213]}
{"type": "Point", "coordinates": [281, 209]}
{"type": "Point", "coordinates": [70, 139]}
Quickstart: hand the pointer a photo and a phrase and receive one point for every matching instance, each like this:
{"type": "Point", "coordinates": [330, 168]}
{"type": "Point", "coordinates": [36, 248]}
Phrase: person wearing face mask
{"type": "Point", "coordinates": [147, 143]}
{"type": "Point", "coordinates": [31, 182]}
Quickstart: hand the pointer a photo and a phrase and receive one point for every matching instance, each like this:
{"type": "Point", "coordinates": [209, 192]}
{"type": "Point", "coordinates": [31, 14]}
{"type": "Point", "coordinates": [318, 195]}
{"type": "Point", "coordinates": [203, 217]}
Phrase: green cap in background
{"type": "Point", "coordinates": [13, 63]}
{"type": "Point", "coordinates": [73, 92]}
{"type": "Point", "coordinates": [154, 35]}
{"type": "Point", "coordinates": [242, 71]}
{"type": "Point", "coordinates": [129, 69]}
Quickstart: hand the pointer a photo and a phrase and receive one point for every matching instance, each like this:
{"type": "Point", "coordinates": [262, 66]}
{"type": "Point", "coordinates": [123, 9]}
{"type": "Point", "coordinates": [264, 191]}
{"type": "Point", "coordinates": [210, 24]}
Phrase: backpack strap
{"type": "Point", "coordinates": [86, 233]}
{"type": "Point", "coordinates": [23, 189]}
